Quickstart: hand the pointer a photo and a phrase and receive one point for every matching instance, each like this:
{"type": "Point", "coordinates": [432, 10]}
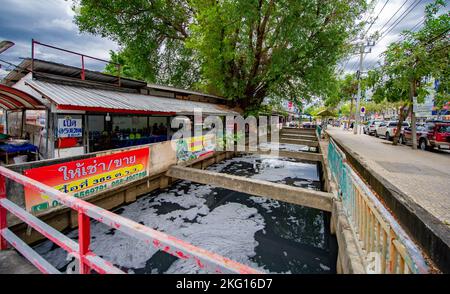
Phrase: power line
{"type": "Point", "coordinates": [368, 17]}
{"type": "Point", "coordinates": [368, 29]}
{"type": "Point", "coordinates": [435, 38]}
{"type": "Point", "coordinates": [14, 65]}
{"type": "Point", "coordinates": [427, 42]}
{"type": "Point", "coordinates": [393, 15]}
{"type": "Point", "coordinates": [418, 24]}
{"type": "Point", "coordinates": [400, 19]}
{"type": "Point", "coordinates": [375, 19]}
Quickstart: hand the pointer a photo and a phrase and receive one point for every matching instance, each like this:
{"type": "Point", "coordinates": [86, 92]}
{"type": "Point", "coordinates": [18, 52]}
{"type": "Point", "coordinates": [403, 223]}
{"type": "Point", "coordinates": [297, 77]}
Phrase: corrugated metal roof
{"type": "Point", "coordinates": [15, 99]}
{"type": "Point", "coordinates": [84, 97]}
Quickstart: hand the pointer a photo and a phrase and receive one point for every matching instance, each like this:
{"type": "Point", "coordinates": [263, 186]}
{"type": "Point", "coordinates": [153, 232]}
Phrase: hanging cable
{"type": "Point", "coordinates": [393, 15]}
{"type": "Point", "coordinates": [375, 19]}
{"type": "Point", "coordinates": [400, 19]}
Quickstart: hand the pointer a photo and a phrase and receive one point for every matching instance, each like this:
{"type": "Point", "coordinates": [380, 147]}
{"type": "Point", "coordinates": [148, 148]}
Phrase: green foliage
{"type": "Point", "coordinates": [242, 50]}
{"type": "Point", "coordinates": [410, 63]}
{"type": "Point", "coordinates": [346, 90]}
{"type": "Point", "coordinates": [221, 142]}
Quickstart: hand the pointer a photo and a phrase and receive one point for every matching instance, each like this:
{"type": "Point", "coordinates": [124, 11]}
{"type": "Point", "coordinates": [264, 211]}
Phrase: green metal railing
{"type": "Point", "coordinates": [379, 234]}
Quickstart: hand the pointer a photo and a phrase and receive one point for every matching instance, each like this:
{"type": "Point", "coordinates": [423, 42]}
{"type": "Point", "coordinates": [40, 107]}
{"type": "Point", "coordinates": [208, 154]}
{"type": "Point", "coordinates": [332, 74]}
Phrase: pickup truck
{"type": "Point", "coordinates": [429, 136]}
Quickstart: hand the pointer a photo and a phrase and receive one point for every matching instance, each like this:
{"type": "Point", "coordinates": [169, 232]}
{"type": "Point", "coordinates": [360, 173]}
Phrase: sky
{"type": "Point", "coordinates": [51, 22]}
{"type": "Point", "coordinates": [413, 12]}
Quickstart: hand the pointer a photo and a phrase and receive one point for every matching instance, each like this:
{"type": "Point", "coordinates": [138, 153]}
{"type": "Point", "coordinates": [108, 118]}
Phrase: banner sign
{"type": "Point", "coordinates": [85, 177]}
{"type": "Point", "coordinates": [69, 128]}
{"type": "Point", "coordinates": [195, 147]}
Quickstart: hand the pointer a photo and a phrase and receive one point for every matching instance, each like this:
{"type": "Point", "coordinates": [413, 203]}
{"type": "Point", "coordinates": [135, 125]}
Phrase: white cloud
{"type": "Point", "coordinates": [410, 20]}
{"type": "Point", "coordinates": [50, 22]}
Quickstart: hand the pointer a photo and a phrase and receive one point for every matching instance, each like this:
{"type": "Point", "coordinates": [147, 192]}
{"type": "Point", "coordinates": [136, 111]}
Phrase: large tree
{"type": "Point", "coordinates": [409, 64]}
{"type": "Point", "coordinates": [242, 50]}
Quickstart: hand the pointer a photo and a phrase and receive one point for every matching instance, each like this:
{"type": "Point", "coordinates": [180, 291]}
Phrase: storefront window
{"type": "Point", "coordinates": [97, 133]}
{"type": "Point", "coordinates": [125, 131]}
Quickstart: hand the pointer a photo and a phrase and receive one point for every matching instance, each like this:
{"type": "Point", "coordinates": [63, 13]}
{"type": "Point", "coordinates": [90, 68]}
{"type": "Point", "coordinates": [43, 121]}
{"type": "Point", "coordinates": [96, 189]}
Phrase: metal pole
{"type": "Point", "coordinates": [3, 221]}
{"type": "Point", "coordinates": [82, 68]}
{"type": "Point", "coordinates": [84, 239]}
{"type": "Point", "coordinates": [119, 81]}
{"type": "Point", "coordinates": [5, 130]}
{"type": "Point", "coordinates": [358, 98]}
{"type": "Point", "coordinates": [32, 58]}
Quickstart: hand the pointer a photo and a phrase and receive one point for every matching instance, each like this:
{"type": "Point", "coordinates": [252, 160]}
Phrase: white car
{"type": "Point", "coordinates": [371, 127]}
{"type": "Point", "coordinates": [387, 129]}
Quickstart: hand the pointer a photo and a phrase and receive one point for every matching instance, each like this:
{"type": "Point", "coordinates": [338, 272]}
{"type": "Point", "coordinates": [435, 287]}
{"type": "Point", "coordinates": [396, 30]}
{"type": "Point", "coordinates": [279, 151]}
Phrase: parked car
{"type": "Point", "coordinates": [429, 136]}
{"type": "Point", "coordinates": [388, 129]}
{"type": "Point", "coordinates": [307, 125]}
{"type": "Point", "coordinates": [371, 126]}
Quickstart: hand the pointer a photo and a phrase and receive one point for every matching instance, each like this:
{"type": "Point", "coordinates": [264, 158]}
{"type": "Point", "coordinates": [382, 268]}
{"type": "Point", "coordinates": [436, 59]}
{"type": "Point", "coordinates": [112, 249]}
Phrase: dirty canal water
{"type": "Point", "coordinates": [265, 234]}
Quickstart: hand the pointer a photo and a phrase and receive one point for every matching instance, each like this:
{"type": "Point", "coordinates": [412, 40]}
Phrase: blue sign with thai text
{"type": "Point", "coordinates": [70, 128]}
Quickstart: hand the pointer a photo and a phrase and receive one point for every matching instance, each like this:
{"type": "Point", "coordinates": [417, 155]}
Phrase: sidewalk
{"type": "Point", "coordinates": [421, 175]}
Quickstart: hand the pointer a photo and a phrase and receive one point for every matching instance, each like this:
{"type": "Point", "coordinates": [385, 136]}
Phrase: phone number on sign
{"type": "Point", "coordinates": [114, 183]}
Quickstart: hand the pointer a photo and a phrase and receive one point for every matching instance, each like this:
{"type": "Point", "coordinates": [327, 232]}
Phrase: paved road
{"type": "Point", "coordinates": [422, 175]}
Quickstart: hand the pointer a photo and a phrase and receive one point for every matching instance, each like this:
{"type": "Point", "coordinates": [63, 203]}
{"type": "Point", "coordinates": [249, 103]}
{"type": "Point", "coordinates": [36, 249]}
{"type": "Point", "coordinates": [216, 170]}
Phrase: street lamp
{"type": "Point", "coordinates": [5, 45]}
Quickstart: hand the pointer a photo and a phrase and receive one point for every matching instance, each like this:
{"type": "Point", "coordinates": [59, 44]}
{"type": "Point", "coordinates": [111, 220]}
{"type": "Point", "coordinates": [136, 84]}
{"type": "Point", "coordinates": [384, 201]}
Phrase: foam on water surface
{"type": "Point", "coordinates": [265, 234]}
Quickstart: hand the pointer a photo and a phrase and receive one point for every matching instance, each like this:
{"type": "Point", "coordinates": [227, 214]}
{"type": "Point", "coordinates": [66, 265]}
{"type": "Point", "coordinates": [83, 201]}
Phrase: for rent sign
{"type": "Point", "coordinates": [86, 177]}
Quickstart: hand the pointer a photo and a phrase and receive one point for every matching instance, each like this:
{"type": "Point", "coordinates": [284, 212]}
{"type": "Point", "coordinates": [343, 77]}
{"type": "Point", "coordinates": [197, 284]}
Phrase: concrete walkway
{"type": "Point", "coordinates": [13, 263]}
{"type": "Point", "coordinates": [421, 175]}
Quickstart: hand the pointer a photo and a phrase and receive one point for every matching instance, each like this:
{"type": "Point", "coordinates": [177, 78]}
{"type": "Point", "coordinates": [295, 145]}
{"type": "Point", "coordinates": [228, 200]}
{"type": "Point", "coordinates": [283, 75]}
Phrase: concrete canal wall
{"type": "Point", "coordinates": [162, 156]}
{"type": "Point", "coordinates": [430, 233]}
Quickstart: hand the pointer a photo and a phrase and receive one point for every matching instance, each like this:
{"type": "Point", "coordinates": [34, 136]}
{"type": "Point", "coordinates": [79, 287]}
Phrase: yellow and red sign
{"type": "Point", "coordinates": [85, 177]}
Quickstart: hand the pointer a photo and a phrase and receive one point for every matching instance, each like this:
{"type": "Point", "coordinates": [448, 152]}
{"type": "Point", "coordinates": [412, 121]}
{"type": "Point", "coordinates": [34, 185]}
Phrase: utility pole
{"type": "Point", "coordinates": [362, 51]}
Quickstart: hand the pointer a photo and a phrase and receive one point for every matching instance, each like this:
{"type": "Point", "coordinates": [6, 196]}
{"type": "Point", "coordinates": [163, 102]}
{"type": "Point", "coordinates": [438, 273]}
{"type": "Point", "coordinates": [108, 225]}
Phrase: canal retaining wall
{"type": "Point", "coordinates": [162, 156]}
{"type": "Point", "coordinates": [430, 233]}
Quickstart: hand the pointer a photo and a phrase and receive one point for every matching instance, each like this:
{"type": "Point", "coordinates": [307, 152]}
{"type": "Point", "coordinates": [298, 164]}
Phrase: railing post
{"type": "Point", "coordinates": [82, 68]}
{"type": "Point", "coordinates": [84, 240]}
{"type": "Point", "coordinates": [3, 222]}
{"type": "Point", "coordinates": [392, 252]}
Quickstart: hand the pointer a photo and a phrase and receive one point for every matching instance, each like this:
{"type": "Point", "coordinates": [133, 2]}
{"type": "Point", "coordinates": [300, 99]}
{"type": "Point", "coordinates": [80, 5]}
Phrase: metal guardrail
{"type": "Point", "coordinates": [88, 261]}
{"type": "Point", "coordinates": [379, 234]}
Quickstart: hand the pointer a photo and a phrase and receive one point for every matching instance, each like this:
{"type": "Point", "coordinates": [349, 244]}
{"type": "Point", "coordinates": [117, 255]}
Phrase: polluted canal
{"type": "Point", "coordinates": [268, 235]}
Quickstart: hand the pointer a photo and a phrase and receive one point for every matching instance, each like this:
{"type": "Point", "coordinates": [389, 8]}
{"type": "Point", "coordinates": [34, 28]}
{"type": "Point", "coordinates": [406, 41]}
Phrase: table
{"type": "Point", "coordinates": [9, 148]}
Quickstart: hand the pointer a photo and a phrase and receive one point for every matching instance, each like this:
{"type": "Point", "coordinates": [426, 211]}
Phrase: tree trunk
{"type": "Point", "coordinates": [402, 116]}
{"type": "Point", "coordinates": [350, 115]}
{"type": "Point", "coordinates": [412, 93]}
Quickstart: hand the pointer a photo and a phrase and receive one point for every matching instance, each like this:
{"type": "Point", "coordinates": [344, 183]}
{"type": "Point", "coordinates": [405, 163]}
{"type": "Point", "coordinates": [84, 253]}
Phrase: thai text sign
{"type": "Point", "coordinates": [69, 127]}
{"type": "Point", "coordinates": [195, 147]}
{"type": "Point", "coordinates": [86, 177]}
